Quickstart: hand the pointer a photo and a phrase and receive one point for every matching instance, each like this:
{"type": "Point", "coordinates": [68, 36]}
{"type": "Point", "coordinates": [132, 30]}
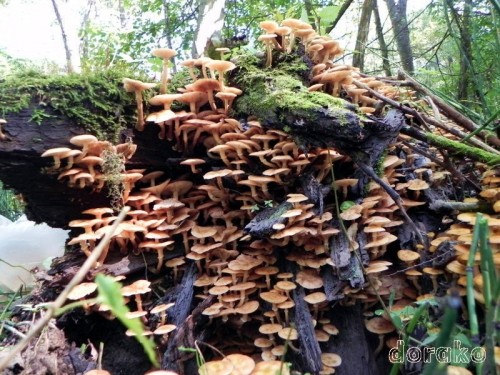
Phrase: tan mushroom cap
{"type": "Point", "coordinates": [97, 372]}
{"type": "Point", "coordinates": [133, 85]}
{"type": "Point", "coordinates": [242, 364]}
{"type": "Point", "coordinates": [418, 184]}
{"type": "Point", "coordinates": [268, 26]}
{"type": "Point", "coordinates": [164, 329]}
{"type": "Point", "coordinates": [221, 367]}
{"type": "Point", "coordinates": [162, 307]}
{"type": "Point", "coordinates": [164, 53]}
{"type": "Point", "coordinates": [138, 287]}
{"type": "Point", "coordinates": [273, 297]}
{"type": "Point", "coordinates": [288, 333]}
{"type": "Point", "coordinates": [262, 343]}
{"type": "Point", "coordinates": [331, 359]}
{"type": "Point", "coordinates": [82, 290]}
{"type": "Point", "coordinates": [269, 329]}
{"type": "Point", "coordinates": [271, 367]}
{"type": "Point", "coordinates": [379, 325]}
{"type": "Point", "coordinates": [408, 255]}
{"type": "Point", "coordinates": [309, 279]}
{"type": "Point", "coordinates": [315, 298]}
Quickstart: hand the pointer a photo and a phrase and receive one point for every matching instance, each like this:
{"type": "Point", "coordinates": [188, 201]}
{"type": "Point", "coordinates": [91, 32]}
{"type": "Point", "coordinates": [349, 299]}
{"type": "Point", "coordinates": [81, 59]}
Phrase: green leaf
{"type": "Point", "coordinates": [346, 205]}
{"type": "Point", "coordinates": [396, 320]}
{"type": "Point", "coordinates": [110, 294]}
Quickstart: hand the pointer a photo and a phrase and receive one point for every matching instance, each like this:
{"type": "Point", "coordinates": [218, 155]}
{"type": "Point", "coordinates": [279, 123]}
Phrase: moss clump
{"type": "Point", "coordinates": [462, 149]}
{"type": "Point", "coordinates": [95, 101]}
{"type": "Point", "coordinates": [282, 90]}
{"type": "Point", "coordinates": [113, 168]}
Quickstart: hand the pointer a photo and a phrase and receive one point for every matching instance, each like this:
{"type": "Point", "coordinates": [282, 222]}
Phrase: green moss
{"type": "Point", "coordinates": [462, 149]}
{"type": "Point", "coordinates": [95, 101]}
{"type": "Point", "coordinates": [283, 87]}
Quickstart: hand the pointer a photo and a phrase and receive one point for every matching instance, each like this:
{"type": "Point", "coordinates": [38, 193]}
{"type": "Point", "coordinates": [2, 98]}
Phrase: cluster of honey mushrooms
{"type": "Point", "coordinates": [205, 212]}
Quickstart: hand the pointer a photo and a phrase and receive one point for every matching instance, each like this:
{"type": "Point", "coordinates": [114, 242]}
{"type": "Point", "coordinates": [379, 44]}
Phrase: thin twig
{"type": "Point", "coordinates": [53, 307]}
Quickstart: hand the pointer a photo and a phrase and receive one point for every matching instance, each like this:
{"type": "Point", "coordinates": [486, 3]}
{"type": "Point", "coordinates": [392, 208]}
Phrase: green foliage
{"type": "Point", "coordinates": [10, 206]}
{"type": "Point", "coordinates": [437, 48]}
{"type": "Point", "coordinates": [95, 101]}
{"type": "Point", "coordinates": [110, 294]}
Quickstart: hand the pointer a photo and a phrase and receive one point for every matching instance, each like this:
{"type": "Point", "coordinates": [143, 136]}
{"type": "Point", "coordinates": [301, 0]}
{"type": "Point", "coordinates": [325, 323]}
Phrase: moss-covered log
{"type": "Point", "coordinates": [280, 100]}
{"type": "Point", "coordinates": [44, 112]}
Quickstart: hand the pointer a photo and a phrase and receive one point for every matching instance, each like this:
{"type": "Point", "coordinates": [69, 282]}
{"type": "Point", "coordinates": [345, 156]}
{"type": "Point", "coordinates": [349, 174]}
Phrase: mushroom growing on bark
{"type": "Point", "coordinates": [137, 87]}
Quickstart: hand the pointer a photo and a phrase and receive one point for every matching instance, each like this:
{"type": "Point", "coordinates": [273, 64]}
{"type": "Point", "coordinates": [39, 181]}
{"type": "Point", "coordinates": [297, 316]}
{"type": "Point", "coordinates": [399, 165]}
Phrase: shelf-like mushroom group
{"type": "Point", "coordinates": [233, 172]}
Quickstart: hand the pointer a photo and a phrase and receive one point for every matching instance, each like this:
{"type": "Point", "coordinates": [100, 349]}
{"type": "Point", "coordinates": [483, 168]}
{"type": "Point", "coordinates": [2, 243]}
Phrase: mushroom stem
{"type": "Point", "coordinates": [380, 345]}
{"type": "Point", "coordinates": [140, 110]}
{"type": "Point", "coordinates": [164, 77]}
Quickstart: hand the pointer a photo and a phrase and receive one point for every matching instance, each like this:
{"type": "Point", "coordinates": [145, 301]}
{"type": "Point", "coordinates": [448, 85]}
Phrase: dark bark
{"type": "Point", "coordinates": [397, 14]}
{"type": "Point", "coordinates": [358, 59]}
{"type": "Point", "coordinates": [352, 344]}
{"type": "Point", "coordinates": [48, 199]}
{"type": "Point", "coordinates": [384, 51]}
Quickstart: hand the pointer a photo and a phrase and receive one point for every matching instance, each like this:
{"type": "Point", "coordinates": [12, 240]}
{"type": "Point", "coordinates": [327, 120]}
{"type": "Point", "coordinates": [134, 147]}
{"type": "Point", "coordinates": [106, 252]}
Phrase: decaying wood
{"type": "Point", "coordinates": [310, 358]}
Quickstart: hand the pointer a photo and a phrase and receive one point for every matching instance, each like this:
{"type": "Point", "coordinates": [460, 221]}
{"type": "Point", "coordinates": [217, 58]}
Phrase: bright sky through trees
{"type": "Point", "coordinates": [29, 30]}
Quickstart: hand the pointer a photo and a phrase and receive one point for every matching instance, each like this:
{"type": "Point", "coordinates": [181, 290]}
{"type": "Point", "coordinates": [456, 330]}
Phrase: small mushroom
{"type": "Point", "coordinates": [165, 54]}
{"type": "Point", "coordinates": [137, 87]}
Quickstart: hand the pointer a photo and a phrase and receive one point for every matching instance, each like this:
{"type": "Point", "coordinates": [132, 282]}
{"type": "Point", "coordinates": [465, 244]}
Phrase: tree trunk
{"type": "Point", "coordinates": [358, 59]}
{"type": "Point", "coordinates": [343, 9]}
{"type": "Point", "coordinates": [466, 56]}
{"type": "Point", "coordinates": [209, 22]}
{"type": "Point", "coordinates": [69, 64]}
{"type": "Point", "coordinates": [397, 14]}
{"type": "Point", "coordinates": [381, 40]}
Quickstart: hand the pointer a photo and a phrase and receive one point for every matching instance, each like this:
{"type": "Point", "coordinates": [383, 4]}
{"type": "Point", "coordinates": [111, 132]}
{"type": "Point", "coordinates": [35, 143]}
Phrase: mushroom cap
{"type": "Point", "coordinates": [417, 184]}
{"type": "Point", "coordinates": [164, 53]}
{"type": "Point", "coordinates": [133, 85]}
{"type": "Point", "coordinates": [248, 307]}
{"type": "Point", "coordinates": [379, 325]}
{"type": "Point", "coordinates": [271, 367]}
{"type": "Point", "coordinates": [309, 279]}
{"type": "Point", "coordinates": [82, 290]}
{"type": "Point", "coordinates": [268, 26]}
{"type": "Point", "coordinates": [315, 298]}
{"type": "Point", "coordinates": [221, 65]}
{"type": "Point", "coordinates": [163, 99]}
{"type": "Point", "coordinates": [408, 255]}
{"type": "Point", "coordinates": [288, 333]}
{"type": "Point", "coordinates": [221, 367]}
{"type": "Point", "coordinates": [206, 84]}
{"type": "Point", "coordinates": [269, 329]}
{"type": "Point", "coordinates": [81, 140]}
{"type": "Point", "coordinates": [138, 287]}
{"type": "Point", "coordinates": [58, 151]}
{"type": "Point", "coordinates": [273, 297]}
{"type": "Point", "coordinates": [331, 359]}
{"type": "Point", "coordinates": [242, 364]}
{"type": "Point", "coordinates": [199, 231]}
{"type": "Point", "coordinates": [164, 329]}
{"type": "Point", "coordinates": [97, 372]}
